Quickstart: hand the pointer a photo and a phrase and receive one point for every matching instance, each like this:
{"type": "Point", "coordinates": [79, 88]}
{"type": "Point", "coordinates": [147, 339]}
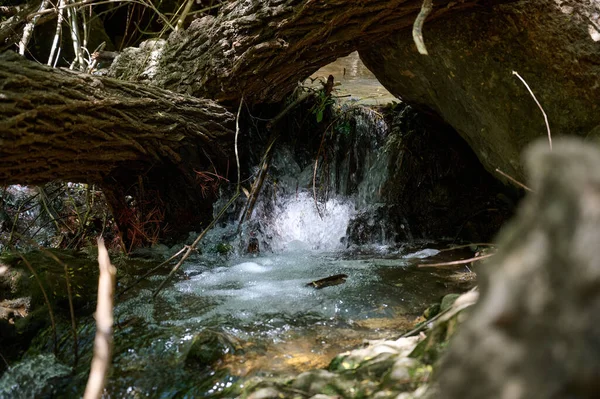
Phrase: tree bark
{"type": "Point", "coordinates": [261, 49]}
{"type": "Point", "coordinates": [132, 139]}
{"type": "Point", "coordinates": [59, 124]}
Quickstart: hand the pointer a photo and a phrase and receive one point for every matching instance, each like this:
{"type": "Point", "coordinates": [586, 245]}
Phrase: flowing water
{"type": "Point", "coordinates": [259, 309]}
{"type": "Point", "coordinates": [256, 315]}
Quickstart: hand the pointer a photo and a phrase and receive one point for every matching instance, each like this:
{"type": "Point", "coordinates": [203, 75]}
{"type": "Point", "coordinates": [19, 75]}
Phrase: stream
{"type": "Point", "coordinates": [255, 314]}
{"type": "Point", "coordinates": [230, 317]}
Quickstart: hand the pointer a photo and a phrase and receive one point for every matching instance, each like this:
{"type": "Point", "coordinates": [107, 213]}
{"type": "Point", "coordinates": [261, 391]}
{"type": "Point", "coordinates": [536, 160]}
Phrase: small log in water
{"type": "Point", "coordinates": [328, 281]}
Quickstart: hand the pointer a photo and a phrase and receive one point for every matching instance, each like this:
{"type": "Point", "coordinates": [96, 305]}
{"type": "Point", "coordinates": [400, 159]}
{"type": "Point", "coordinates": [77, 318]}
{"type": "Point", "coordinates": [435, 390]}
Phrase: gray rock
{"type": "Point", "coordinates": [535, 331]}
{"type": "Point", "coordinates": [467, 78]}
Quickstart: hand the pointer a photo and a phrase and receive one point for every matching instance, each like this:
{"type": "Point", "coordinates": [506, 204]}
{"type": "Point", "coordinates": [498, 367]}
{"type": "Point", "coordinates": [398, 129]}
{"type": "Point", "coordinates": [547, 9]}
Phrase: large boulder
{"type": "Point", "coordinates": [535, 332]}
{"type": "Point", "coordinates": [467, 79]}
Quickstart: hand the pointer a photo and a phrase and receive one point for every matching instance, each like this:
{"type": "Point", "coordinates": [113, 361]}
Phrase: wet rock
{"type": "Point", "coordinates": [534, 332]}
{"type": "Point", "coordinates": [209, 347]}
{"type": "Point", "coordinates": [467, 78]}
{"type": "Point", "coordinates": [39, 376]}
{"type": "Point", "coordinates": [266, 393]}
{"type": "Point", "coordinates": [447, 301]}
{"type": "Point", "coordinates": [378, 224]}
{"type": "Point", "coordinates": [314, 381]}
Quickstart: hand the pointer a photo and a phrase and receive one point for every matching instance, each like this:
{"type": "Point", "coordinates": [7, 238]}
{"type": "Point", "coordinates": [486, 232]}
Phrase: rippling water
{"type": "Point", "coordinates": [262, 304]}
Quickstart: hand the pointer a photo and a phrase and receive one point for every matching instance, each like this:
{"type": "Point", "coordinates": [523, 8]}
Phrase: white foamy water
{"type": "Point", "coordinates": [298, 226]}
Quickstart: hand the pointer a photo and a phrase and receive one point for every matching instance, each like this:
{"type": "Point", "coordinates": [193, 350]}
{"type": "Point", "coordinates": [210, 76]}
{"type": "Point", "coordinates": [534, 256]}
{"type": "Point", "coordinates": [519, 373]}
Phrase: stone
{"type": "Point", "coordinates": [534, 332]}
{"type": "Point", "coordinates": [448, 301]}
{"type": "Point", "coordinates": [209, 347]}
{"type": "Point", "coordinates": [467, 78]}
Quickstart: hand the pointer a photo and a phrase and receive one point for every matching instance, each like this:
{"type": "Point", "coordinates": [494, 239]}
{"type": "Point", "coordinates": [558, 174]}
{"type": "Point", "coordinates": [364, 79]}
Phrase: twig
{"type": "Point", "coordinates": [192, 247]}
{"type": "Point", "coordinates": [51, 313]}
{"type": "Point", "coordinates": [479, 244]}
{"type": "Point", "coordinates": [539, 105]}
{"type": "Point", "coordinates": [57, 34]}
{"type": "Point", "coordinates": [104, 322]}
{"type": "Point", "coordinates": [258, 182]}
{"type": "Point", "coordinates": [71, 308]}
{"type": "Point", "coordinates": [237, 132]}
{"type": "Point", "coordinates": [314, 182]}
{"type": "Point", "coordinates": [417, 30]}
{"type": "Point", "coordinates": [151, 271]}
{"type": "Point", "coordinates": [28, 29]}
{"type": "Point", "coordinates": [76, 39]}
{"type": "Point", "coordinates": [457, 262]}
{"type": "Point", "coordinates": [181, 21]}
{"type": "Point", "coordinates": [518, 183]}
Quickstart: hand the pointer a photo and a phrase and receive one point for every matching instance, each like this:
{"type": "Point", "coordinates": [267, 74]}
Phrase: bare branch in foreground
{"type": "Point", "coordinates": [540, 107]}
{"type": "Point", "coordinates": [104, 322]}
{"type": "Point", "coordinates": [417, 31]}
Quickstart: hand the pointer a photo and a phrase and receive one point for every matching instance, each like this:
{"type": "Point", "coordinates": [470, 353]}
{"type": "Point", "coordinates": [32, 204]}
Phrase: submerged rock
{"type": "Point", "coordinates": [534, 333]}
{"type": "Point", "coordinates": [209, 347]}
{"type": "Point", "coordinates": [38, 376]}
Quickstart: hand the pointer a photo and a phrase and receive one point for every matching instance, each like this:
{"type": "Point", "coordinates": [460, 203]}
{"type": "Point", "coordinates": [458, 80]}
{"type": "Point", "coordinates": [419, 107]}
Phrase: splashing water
{"type": "Point", "coordinates": [298, 226]}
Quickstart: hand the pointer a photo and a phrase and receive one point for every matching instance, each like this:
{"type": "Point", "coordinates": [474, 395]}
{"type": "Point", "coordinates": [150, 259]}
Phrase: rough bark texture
{"type": "Point", "coordinates": [535, 331]}
{"type": "Point", "coordinates": [261, 49]}
{"type": "Point", "coordinates": [58, 124]}
{"type": "Point", "coordinates": [132, 139]}
{"type": "Point", "coordinates": [468, 80]}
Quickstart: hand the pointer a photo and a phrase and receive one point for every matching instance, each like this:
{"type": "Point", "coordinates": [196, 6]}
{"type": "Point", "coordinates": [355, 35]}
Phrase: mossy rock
{"type": "Point", "coordinates": [448, 301]}
{"type": "Point", "coordinates": [209, 347]}
{"type": "Point", "coordinates": [82, 274]}
{"type": "Point", "coordinates": [431, 311]}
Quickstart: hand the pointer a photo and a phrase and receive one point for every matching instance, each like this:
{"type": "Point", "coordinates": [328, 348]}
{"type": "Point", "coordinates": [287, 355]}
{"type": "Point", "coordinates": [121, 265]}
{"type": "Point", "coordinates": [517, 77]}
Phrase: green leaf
{"type": "Point", "coordinates": [319, 116]}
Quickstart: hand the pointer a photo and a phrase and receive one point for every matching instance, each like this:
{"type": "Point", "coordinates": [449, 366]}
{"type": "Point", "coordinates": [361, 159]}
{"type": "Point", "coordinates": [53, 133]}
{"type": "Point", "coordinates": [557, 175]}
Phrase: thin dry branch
{"type": "Point", "coordinates": [417, 31]}
{"type": "Point", "coordinates": [104, 322]}
{"type": "Point", "coordinates": [71, 307]}
{"type": "Point", "coordinates": [540, 107]}
{"type": "Point", "coordinates": [46, 299]}
{"type": "Point", "coordinates": [192, 247]}
{"type": "Point", "coordinates": [518, 183]}
{"type": "Point", "coordinates": [457, 262]}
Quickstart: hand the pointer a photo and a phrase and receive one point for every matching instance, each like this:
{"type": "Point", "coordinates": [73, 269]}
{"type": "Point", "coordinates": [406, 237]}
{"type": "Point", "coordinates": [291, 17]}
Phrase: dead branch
{"type": "Point", "coordinates": [46, 299]}
{"type": "Point", "coordinates": [71, 307]}
{"type": "Point", "coordinates": [518, 183]}
{"type": "Point", "coordinates": [192, 247]}
{"type": "Point", "coordinates": [540, 107]}
{"type": "Point", "coordinates": [418, 26]}
{"type": "Point", "coordinates": [457, 262]}
{"type": "Point", "coordinates": [104, 321]}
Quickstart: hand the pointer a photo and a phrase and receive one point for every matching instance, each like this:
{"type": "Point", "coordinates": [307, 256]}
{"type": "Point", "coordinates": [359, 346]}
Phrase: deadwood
{"type": "Point", "coordinates": [261, 49]}
{"type": "Point", "coordinates": [58, 124]}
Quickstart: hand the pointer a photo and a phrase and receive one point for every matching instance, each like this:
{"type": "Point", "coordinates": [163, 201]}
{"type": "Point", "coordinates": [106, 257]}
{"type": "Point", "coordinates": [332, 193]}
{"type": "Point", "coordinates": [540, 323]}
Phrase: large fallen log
{"type": "Point", "coordinates": [59, 124]}
{"type": "Point", "coordinates": [128, 137]}
{"type": "Point", "coordinates": [261, 49]}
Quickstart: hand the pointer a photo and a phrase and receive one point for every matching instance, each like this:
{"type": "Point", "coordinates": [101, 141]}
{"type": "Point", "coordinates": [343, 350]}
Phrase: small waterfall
{"type": "Point", "coordinates": [298, 225]}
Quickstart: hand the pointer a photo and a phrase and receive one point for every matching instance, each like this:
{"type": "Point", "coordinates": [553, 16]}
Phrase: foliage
{"type": "Point", "coordinates": [322, 102]}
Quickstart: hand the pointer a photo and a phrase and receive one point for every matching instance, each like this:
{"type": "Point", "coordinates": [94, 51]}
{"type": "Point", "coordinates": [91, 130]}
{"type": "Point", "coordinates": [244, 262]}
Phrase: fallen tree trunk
{"type": "Point", "coordinates": [261, 49]}
{"type": "Point", "coordinates": [132, 139]}
{"type": "Point", "coordinates": [58, 124]}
